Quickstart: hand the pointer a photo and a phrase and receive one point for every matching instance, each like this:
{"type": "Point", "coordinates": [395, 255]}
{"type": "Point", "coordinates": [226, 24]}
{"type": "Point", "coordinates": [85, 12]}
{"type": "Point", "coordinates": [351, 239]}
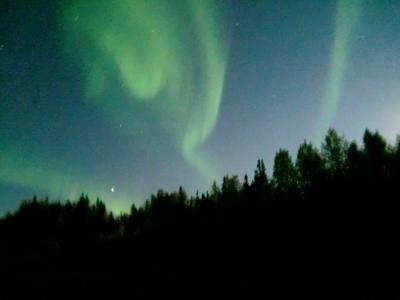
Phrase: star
{"type": "Point", "coordinates": [112, 189]}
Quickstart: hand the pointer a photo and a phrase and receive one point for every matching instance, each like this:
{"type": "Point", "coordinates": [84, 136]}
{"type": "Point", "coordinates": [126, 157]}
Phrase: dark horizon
{"type": "Point", "coordinates": [323, 225]}
{"type": "Point", "coordinates": [333, 136]}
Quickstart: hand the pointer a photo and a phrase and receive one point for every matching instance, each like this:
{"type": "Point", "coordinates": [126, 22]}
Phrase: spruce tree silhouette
{"type": "Point", "coordinates": [333, 213]}
{"type": "Point", "coordinates": [284, 174]}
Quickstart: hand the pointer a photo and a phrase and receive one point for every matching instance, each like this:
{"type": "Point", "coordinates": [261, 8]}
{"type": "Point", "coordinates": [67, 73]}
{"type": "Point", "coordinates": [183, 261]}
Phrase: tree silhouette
{"type": "Point", "coordinates": [334, 151]}
{"type": "Point", "coordinates": [284, 172]}
{"type": "Point", "coordinates": [309, 166]}
{"type": "Point", "coordinates": [231, 187]}
{"type": "Point", "coordinates": [376, 155]}
{"type": "Point", "coordinates": [335, 210]}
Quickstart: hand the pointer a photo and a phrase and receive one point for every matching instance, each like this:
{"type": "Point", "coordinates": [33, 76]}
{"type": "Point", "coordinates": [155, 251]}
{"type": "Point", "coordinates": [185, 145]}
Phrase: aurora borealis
{"type": "Point", "coordinates": [119, 98]}
{"type": "Point", "coordinates": [177, 71]}
{"type": "Point", "coordinates": [346, 19]}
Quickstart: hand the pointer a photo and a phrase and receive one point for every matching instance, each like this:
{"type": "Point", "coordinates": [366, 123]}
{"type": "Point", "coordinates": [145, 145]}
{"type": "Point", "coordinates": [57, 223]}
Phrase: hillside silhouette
{"type": "Point", "coordinates": [323, 224]}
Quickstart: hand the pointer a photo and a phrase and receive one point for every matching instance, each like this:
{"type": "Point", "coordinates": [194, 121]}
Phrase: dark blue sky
{"type": "Point", "coordinates": [278, 60]}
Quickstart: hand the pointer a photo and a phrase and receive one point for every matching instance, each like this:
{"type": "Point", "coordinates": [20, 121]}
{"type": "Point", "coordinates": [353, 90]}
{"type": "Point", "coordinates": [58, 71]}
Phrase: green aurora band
{"type": "Point", "coordinates": [172, 74]}
{"type": "Point", "coordinates": [168, 56]}
{"type": "Point", "coordinates": [22, 168]}
{"type": "Point", "coordinates": [347, 16]}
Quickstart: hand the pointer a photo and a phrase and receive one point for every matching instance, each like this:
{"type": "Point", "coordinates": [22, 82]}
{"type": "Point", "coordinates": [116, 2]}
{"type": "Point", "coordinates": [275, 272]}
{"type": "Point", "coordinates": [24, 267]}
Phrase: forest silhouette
{"type": "Point", "coordinates": [321, 224]}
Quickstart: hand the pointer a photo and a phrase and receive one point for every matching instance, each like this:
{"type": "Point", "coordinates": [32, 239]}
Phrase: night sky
{"type": "Point", "coordinates": [119, 98]}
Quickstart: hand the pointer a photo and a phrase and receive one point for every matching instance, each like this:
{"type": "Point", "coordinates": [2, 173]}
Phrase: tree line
{"type": "Point", "coordinates": [328, 208]}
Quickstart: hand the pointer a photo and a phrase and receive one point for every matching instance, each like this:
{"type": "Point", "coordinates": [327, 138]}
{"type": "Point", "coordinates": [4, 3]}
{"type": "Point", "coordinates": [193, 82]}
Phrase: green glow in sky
{"type": "Point", "coordinates": [169, 57]}
{"type": "Point", "coordinates": [146, 64]}
{"type": "Point", "coordinates": [347, 16]}
{"type": "Point", "coordinates": [48, 177]}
